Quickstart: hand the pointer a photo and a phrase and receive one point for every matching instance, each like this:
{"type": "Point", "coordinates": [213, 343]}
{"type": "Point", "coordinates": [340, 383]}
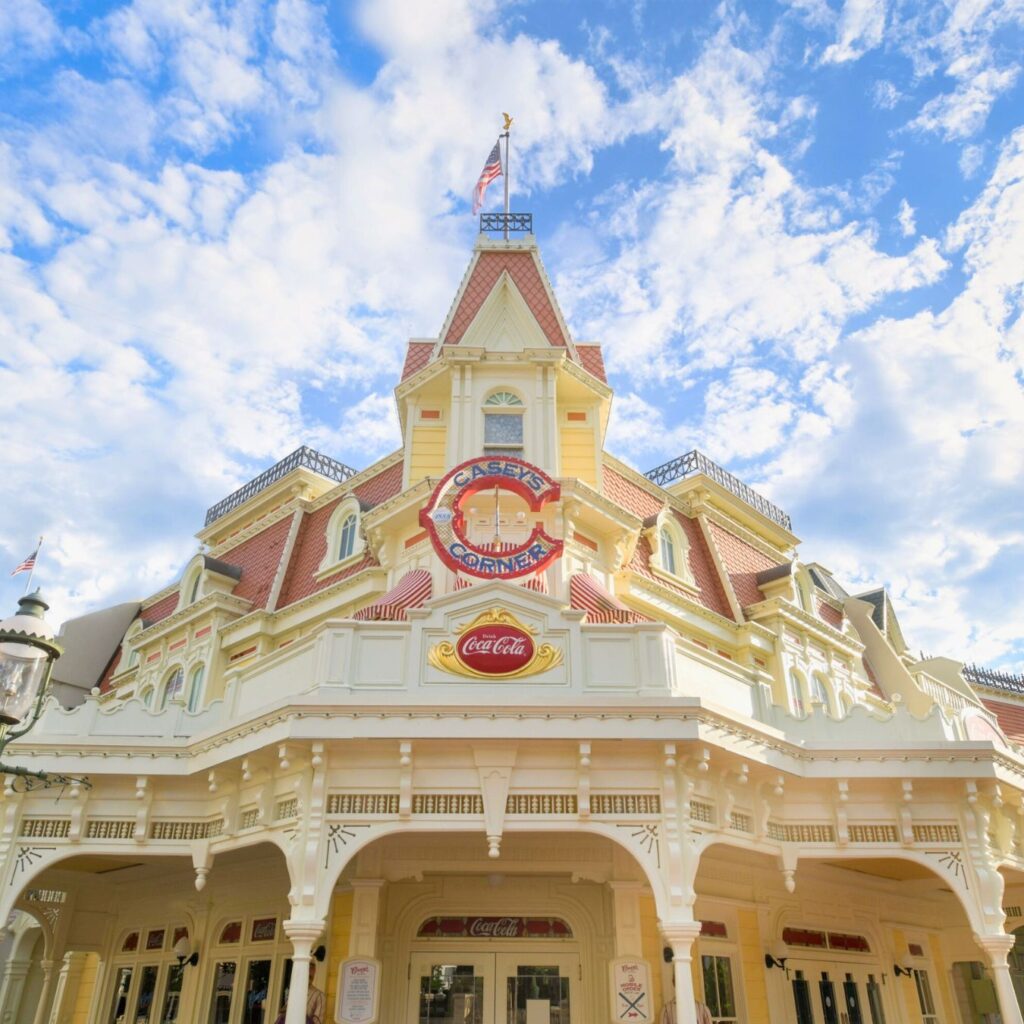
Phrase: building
{"type": "Point", "coordinates": [511, 732]}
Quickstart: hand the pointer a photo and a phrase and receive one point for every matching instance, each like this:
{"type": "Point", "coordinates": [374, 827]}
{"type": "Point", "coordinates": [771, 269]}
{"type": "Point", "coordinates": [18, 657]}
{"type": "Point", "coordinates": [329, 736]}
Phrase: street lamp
{"type": "Point", "coordinates": [28, 650]}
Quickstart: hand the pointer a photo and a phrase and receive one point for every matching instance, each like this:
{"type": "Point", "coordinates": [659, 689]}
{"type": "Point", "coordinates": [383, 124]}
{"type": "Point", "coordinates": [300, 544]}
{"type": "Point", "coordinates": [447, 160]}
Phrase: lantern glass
{"type": "Point", "coordinates": [22, 672]}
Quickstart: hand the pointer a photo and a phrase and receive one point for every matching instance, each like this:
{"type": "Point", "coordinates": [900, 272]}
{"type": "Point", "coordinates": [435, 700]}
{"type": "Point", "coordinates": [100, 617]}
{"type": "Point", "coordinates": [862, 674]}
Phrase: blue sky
{"type": "Point", "coordinates": [795, 227]}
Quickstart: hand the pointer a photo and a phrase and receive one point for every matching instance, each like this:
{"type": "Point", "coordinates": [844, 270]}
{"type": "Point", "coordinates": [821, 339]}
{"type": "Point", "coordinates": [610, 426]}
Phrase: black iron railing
{"type": "Point", "coordinates": [697, 462]}
{"type": "Point", "coordinates": [994, 678]}
{"type": "Point", "coordinates": [305, 457]}
{"type": "Point", "coordinates": [506, 222]}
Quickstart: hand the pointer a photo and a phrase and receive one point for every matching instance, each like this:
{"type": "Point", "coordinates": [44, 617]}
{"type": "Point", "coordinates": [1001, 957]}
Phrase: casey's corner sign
{"type": "Point", "coordinates": [444, 519]}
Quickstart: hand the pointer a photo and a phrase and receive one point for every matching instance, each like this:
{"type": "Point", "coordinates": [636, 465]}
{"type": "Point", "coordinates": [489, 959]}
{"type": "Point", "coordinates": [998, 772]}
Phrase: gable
{"type": "Point", "coordinates": [522, 269]}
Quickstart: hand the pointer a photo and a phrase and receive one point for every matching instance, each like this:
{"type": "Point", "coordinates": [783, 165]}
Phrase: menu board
{"type": "Point", "coordinates": [358, 991]}
{"type": "Point", "coordinates": [631, 991]}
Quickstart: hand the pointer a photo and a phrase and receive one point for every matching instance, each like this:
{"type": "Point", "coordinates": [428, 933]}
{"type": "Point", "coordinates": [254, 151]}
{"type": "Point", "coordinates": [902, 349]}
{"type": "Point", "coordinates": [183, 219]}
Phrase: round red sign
{"type": "Point", "coordinates": [495, 650]}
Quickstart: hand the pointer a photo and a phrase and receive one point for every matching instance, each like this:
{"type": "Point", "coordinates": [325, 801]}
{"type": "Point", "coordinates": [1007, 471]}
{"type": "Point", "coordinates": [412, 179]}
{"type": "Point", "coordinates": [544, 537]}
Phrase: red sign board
{"type": "Point", "coordinates": [494, 928]}
{"type": "Point", "coordinates": [444, 519]}
{"type": "Point", "coordinates": [495, 650]}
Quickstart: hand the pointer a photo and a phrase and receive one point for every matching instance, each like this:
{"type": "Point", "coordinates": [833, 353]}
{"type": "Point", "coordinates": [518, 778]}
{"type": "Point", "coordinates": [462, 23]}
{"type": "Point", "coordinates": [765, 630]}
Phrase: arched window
{"type": "Point", "coordinates": [193, 594]}
{"type": "Point", "coordinates": [173, 687]}
{"type": "Point", "coordinates": [796, 694]}
{"type": "Point", "coordinates": [819, 691]}
{"type": "Point", "coordinates": [668, 551]}
{"type": "Point", "coordinates": [344, 538]}
{"type": "Point", "coordinates": [673, 548]}
{"type": "Point", "coordinates": [503, 424]}
{"type": "Point", "coordinates": [347, 542]}
{"type": "Point", "coordinates": [195, 686]}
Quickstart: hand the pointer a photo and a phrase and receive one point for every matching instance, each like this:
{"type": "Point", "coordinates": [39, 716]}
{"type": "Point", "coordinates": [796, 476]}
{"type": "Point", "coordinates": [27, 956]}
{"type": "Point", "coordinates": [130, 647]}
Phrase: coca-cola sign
{"type": "Point", "coordinates": [495, 645]}
{"type": "Point", "coordinates": [494, 928]}
{"type": "Point", "coordinates": [495, 650]}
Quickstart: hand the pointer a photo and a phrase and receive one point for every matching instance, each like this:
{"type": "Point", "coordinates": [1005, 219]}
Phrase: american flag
{"type": "Point", "coordinates": [27, 565]}
{"type": "Point", "coordinates": [492, 170]}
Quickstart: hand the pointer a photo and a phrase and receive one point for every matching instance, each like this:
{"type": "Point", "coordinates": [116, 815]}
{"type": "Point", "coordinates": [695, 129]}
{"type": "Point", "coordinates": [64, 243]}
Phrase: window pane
{"type": "Point", "coordinates": [172, 997]}
{"type": "Point", "coordinates": [195, 688]}
{"type": "Point", "coordinates": [668, 552]}
{"type": "Point", "coordinates": [348, 538]}
{"type": "Point", "coordinates": [537, 983]}
{"type": "Point", "coordinates": [503, 428]}
{"type": "Point", "coordinates": [725, 998]}
{"type": "Point", "coordinates": [710, 985]}
{"type": "Point", "coordinates": [223, 987]}
{"type": "Point", "coordinates": [257, 982]}
{"type": "Point", "coordinates": [147, 987]}
{"type": "Point", "coordinates": [451, 994]}
{"type": "Point", "coordinates": [119, 1006]}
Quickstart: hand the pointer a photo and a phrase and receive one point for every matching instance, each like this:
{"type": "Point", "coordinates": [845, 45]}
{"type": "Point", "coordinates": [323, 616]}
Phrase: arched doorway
{"type": "Point", "coordinates": [524, 938]}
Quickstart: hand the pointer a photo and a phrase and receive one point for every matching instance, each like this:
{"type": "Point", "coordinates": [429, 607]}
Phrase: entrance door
{"type": "Point", "coordinates": [448, 987]}
{"type": "Point", "coordinates": [451, 988]}
{"type": "Point", "coordinates": [537, 987]}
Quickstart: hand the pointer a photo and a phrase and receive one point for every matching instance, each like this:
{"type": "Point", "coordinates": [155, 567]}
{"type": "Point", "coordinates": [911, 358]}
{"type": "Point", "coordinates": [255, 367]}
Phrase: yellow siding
{"type": "Point", "coordinates": [939, 976]}
{"type": "Point", "coordinates": [427, 455]}
{"type": "Point", "coordinates": [579, 455]}
{"type": "Point", "coordinates": [340, 930]}
{"type": "Point", "coordinates": [650, 941]}
{"type": "Point", "coordinates": [80, 1014]}
{"type": "Point", "coordinates": [751, 974]}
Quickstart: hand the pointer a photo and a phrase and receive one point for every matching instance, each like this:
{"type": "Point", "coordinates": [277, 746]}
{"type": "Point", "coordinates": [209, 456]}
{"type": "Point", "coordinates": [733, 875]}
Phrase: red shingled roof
{"type": "Point", "coordinates": [164, 607]}
{"type": "Point", "coordinates": [1009, 716]}
{"type": "Point", "coordinates": [524, 273]}
{"type": "Point", "coordinates": [108, 672]}
{"type": "Point", "coordinates": [311, 540]}
{"type": "Point", "coordinates": [629, 495]}
{"type": "Point", "coordinates": [743, 562]}
{"type": "Point", "coordinates": [592, 361]}
{"type": "Point", "coordinates": [830, 615]}
{"type": "Point", "coordinates": [417, 355]}
{"type": "Point", "coordinates": [258, 558]}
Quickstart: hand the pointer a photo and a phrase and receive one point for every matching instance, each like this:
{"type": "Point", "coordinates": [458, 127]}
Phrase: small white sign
{"type": "Point", "coordinates": [358, 991]}
{"type": "Point", "coordinates": [631, 991]}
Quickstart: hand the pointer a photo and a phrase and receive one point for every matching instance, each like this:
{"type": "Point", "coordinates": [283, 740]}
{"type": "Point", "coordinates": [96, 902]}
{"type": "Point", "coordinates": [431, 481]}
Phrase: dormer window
{"type": "Point", "coordinates": [193, 594]}
{"type": "Point", "coordinates": [503, 424]}
{"type": "Point", "coordinates": [667, 546]}
{"type": "Point", "coordinates": [672, 548]}
{"type": "Point", "coordinates": [345, 541]}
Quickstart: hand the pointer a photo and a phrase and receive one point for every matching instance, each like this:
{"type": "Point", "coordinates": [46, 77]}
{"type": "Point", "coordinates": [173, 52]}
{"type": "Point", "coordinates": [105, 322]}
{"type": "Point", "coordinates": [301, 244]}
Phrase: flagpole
{"type": "Point", "coordinates": [508, 132]}
{"type": "Point", "coordinates": [32, 571]}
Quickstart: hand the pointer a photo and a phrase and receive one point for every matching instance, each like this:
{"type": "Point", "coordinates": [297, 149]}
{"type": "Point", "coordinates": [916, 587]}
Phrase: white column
{"type": "Point", "coordinates": [11, 986]}
{"type": "Point", "coordinates": [302, 934]}
{"type": "Point", "coordinates": [681, 936]}
{"type": "Point", "coordinates": [46, 992]}
{"type": "Point", "coordinates": [68, 984]}
{"type": "Point", "coordinates": [996, 948]}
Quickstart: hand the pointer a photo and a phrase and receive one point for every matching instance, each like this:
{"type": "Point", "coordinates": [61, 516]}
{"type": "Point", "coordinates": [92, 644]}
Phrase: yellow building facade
{"type": "Point", "coordinates": [500, 730]}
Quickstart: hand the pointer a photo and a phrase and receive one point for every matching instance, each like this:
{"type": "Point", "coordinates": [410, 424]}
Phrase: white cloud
{"type": "Point", "coordinates": [28, 31]}
{"type": "Point", "coordinates": [962, 112]}
{"type": "Point", "coordinates": [905, 219]}
{"type": "Point", "coordinates": [885, 94]}
{"type": "Point", "coordinates": [861, 26]}
{"type": "Point", "coordinates": [971, 158]}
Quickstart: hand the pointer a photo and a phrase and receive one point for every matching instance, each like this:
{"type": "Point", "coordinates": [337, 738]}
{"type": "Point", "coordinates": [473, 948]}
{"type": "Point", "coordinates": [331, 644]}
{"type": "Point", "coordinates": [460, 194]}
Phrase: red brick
{"type": "Point", "coordinates": [1009, 716]}
{"type": "Point", "coordinates": [830, 615]}
{"type": "Point", "coordinates": [417, 355]}
{"type": "Point", "coordinates": [743, 562]}
{"type": "Point", "coordinates": [592, 361]}
{"type": "Point", "coordinates": [258, 558]}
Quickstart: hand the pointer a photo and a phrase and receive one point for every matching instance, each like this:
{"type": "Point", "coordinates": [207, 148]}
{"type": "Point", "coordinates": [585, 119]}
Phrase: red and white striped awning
{"type": "Point", "coordinates": [411, 591]}
{"type": "Point", "coordinates": [586, 594]}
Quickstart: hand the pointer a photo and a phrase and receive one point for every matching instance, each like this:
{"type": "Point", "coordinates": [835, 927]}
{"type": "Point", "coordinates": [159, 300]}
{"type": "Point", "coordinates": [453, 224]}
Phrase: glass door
{"type": "Point", "coordinates": [535, 988]}
{"type": "Point", "coordinates": [448, 987]}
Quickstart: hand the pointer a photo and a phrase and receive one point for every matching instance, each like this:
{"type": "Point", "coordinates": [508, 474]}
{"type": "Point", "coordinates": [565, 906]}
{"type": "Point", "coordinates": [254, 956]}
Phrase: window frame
{"type": "Point", "coordinates": [172, 673]}
{"type": "Point", "coordinates": [669, 526]}
{"type": "Point", "coordinates": [346, 509]}
{"type": "Point", "coordinates": [504, 401]}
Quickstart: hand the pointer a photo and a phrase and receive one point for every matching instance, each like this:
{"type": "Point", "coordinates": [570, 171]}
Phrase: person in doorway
{"type": "Point", "coordinates": [316, 1001]}
{"type": "Point", "coordinates": [668, 1011]}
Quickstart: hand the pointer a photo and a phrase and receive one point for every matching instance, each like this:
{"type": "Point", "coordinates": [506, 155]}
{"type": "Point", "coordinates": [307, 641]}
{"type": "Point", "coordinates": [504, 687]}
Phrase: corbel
{"type": "Point", "coordinates": [79, 802]}
{"type": "Point", "coordinates": [283, 761]}
{"type": "Point", "coordinates": [211, 781]}
{"type": "Point", "coordinates": [405, 767]}
{"type": "Point", "coordinates": [202, 862]}
{"type": "Point", "coordinates": [144, 796]}
{"type": "Point", "coordinates": [906, 818]}
{"type": "Point", "coordinates": [583, 780]}
{"type": "Point", "coordinates": [842, 816]}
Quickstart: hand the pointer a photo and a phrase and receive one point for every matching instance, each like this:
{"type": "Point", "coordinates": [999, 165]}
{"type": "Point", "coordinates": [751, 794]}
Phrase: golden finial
{"type": "Point", "coordinates": [508, 121]}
